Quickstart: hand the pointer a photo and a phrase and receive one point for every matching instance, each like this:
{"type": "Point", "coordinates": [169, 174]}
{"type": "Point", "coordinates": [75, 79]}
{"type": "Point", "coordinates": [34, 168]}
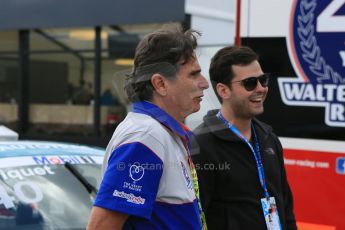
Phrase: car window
{"type": "Point", "coordinates": [91, 172]}
{"type": "Point", "coordinates": [45, 196]}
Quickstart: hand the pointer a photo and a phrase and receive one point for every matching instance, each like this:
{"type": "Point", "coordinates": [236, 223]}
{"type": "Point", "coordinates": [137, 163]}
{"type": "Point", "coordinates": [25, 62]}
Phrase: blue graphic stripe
{"type": "Point", "coordinates": [37, 148]}
{"type": "Point", "coordinates": [131, 181]}
{"type": "Point", "coordinates": [318, 58]}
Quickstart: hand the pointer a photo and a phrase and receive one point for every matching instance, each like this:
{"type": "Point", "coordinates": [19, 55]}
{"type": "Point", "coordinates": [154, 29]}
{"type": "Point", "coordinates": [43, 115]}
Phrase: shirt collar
{"type": "Point", "coordinates": [150, 109]}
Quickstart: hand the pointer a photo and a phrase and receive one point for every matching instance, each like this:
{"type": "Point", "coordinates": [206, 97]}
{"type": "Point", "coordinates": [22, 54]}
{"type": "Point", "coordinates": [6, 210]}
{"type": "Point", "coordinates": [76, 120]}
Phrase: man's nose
{"type": "Point", "coordinates": [203, 84]}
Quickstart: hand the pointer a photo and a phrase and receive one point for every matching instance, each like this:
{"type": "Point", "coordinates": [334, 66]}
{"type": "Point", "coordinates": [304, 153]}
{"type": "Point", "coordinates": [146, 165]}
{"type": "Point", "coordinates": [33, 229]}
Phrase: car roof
{"type": "Point", "coordinates": [7, 134]}
{"type": "Point", "coordinates": [45, 148]}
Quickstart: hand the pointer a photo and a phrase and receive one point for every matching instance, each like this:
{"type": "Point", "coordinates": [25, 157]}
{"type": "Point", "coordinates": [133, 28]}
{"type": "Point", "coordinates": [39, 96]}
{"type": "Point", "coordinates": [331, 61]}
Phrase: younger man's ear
{"type": "Point", "coordinates": [223, 91]}
{"type": "Point", "coordinates": [159, 84]}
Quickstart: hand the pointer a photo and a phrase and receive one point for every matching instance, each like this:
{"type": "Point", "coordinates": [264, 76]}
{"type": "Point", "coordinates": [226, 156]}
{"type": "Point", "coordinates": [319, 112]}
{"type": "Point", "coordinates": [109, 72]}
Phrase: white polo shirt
{"type": "Point", "coordinates": [146, 172]}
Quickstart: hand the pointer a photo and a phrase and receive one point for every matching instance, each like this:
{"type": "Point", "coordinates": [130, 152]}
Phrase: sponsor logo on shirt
{"type": "Point", "coordinates": [131, 186]}
{"type": "Point", "coordinates": [269, 151]}
{"type": "Point", "coordinates": [186, 176]}
{"type": "Point", "coordinates": [136, 172]}
{"type": "Point", "coordinates": [129, 197]}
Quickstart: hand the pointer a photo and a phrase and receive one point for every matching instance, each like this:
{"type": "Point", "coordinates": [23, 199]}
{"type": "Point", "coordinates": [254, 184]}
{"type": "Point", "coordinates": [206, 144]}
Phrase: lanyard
{"type": "Point", "coordinates": [256, 151]}
{"type": "Point", "coordinates": [186, 143]}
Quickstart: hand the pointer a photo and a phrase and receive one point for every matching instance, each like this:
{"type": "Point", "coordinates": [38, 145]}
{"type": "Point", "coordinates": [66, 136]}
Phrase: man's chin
{"type": "Point", "coordinates": [258, 112]}
{"type": "Point", "coordinates": [193, 110]}
{"type": "Point", "coordinates": [196, 108]}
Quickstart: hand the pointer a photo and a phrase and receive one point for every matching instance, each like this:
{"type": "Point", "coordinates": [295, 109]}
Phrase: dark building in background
{"type": "Point", "coordinates": [46, 64]}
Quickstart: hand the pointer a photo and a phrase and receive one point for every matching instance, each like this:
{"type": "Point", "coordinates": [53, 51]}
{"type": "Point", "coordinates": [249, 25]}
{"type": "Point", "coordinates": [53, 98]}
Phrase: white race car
{"type": "Point", "coordinates": [47, 185]}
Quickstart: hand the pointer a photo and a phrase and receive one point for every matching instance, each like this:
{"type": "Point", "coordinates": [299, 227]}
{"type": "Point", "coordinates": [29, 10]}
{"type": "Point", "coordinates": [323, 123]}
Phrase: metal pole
{"type": "Point", "coordinates": [97, 82]}
{"type": "Point", "coordinates": [23, 81]}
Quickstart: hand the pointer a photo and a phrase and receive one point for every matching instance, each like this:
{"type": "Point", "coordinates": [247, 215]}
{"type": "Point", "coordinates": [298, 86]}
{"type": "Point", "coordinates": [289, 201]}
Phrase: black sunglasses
{"type": "Point", "coordinates": [250, 83]}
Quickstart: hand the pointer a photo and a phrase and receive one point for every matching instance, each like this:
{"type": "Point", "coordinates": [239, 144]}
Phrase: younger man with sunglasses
{"type": "Point", "coordinates": [239, 160]}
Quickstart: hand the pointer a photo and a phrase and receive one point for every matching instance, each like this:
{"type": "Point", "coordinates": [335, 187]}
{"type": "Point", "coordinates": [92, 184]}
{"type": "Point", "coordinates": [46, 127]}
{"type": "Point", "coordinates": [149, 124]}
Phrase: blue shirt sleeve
{"type": "Point", "coordinates": [131, 180]}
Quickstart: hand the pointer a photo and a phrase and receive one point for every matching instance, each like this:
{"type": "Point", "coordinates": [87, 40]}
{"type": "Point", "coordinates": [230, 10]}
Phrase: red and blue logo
{"type": "Point", "coordinates": [316, 44]}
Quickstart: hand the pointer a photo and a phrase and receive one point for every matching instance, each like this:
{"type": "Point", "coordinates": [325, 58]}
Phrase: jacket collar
{"type": "Point", "coordinates": [150, 109]}
{"type": "Point", "coordinates": [222, 131]}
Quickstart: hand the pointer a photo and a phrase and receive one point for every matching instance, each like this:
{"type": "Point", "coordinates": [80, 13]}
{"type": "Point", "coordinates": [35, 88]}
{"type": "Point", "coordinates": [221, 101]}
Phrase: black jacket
{"type": "Point", "coordinates": [228, 176]}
